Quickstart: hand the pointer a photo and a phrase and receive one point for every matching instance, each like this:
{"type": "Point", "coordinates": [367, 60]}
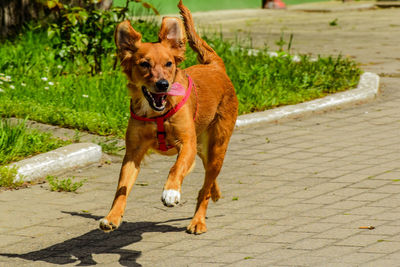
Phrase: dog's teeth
{"type": "Point", "coordinates": [152, 98]}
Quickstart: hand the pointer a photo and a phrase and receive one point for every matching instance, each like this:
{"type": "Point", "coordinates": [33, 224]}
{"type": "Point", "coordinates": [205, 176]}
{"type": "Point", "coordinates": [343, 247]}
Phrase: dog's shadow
{"type": "Point", "coordinates": [80, 249]}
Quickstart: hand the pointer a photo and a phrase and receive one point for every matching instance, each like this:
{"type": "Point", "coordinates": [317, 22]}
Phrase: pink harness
{"type": "Point", "coordinates": [161, 134]}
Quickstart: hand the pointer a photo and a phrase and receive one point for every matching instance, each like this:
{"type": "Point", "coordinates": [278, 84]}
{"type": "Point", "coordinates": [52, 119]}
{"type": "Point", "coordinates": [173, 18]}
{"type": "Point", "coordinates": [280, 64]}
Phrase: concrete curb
{"type": "Point", "coordinates": [367, 89]}
{"type": "Point", "coordinates": [58, 160]}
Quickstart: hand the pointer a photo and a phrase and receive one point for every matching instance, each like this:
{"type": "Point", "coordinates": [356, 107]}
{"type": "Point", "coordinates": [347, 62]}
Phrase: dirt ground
{"type": "Point", "coordinates": [370, 36]}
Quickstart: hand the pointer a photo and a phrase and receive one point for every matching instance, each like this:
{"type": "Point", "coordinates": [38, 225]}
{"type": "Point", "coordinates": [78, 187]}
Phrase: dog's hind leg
{"type": "Point", "coordinates": [212, 163]}
{"type": "Point", "coordinates": [202, 151]}
{"type": "Point", "coordinates": [219, 135]}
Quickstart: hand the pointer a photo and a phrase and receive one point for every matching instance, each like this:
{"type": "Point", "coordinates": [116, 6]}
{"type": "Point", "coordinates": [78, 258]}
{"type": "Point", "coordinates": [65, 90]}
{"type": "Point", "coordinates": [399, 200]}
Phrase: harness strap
{"type": "Point", "coordinates": [161, 134]}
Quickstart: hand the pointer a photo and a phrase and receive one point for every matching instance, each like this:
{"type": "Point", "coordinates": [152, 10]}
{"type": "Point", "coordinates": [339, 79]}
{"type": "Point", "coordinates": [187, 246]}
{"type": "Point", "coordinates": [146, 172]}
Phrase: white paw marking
{"type": "Point", "coordinates": [171, 197]}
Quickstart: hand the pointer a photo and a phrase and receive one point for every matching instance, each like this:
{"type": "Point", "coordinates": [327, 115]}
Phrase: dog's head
{"type": "Point", "coordinates": [151, 67]}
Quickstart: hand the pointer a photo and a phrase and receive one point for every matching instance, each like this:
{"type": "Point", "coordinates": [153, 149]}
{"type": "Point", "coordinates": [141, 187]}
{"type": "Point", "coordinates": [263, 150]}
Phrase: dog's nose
{"type": "Point", "coordinates": [162, 85]}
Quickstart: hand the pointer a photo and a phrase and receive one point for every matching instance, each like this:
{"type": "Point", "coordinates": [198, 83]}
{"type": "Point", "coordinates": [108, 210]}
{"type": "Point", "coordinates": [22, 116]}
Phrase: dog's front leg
{"type": "Point", "coordinates": [129, 172]}
{"type": "Point", "coordinates": [171, 195]}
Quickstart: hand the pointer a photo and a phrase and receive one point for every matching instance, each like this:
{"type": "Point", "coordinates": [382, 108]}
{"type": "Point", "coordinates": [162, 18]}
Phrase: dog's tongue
{"type": "Point", "coordinates": [176, 89]}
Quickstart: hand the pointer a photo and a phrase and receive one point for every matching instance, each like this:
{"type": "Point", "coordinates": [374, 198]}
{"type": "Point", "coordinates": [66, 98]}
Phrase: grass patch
{"type": "Point", "coordinates": [7, 176]}
{"type": "Point", "coordinates": [34, 83]}
{"type": "Point", "coordinates": [17, 142]}
{"type": "Point", "coordinates": [110, 146]}
{"type": "Point", "coordinates": [64, 185]}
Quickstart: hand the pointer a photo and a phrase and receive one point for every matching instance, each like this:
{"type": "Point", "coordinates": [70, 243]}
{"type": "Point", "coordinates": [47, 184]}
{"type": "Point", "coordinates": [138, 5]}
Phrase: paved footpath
{"type": "Point", "coordinates": [295, 193]}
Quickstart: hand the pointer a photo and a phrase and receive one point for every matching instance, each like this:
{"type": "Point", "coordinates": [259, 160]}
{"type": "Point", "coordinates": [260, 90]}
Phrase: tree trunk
{"type": "Point", "coordinates": [14, 13]}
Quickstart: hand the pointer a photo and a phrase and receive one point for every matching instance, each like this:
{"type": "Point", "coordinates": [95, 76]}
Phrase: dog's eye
{"type": "Point", "coordinates": [144, 64]}
{"type": "Point", "coordinates": [168, 64]}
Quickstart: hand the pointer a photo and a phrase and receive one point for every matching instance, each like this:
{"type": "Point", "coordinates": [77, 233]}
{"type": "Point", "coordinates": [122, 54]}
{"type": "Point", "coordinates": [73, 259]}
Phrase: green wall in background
{"type": "Point", "coordinates": [169, 6]}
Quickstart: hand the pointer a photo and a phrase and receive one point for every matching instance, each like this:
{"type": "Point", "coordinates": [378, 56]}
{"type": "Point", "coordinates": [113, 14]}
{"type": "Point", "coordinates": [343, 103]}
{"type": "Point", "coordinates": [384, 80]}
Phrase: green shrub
{"type": "Point", "coordinates": [83, 34]}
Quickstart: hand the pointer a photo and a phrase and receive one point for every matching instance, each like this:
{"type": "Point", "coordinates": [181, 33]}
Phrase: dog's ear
{"type": "Point", "coordinates": [126, 37]}
{"type": "Point", "coordinates": [172, 34]}
{"type": "Point", "coordinates": [128, 41]}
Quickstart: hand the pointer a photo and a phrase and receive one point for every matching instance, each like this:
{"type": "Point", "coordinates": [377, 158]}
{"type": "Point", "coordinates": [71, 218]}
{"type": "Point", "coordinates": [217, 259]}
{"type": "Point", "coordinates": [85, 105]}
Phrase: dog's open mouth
{"type": "Point", "coordinates": [156, 101]}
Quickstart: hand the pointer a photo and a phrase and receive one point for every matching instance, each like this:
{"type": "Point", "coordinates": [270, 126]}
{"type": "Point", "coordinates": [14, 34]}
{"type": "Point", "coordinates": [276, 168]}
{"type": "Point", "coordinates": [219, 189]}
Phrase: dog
{"type": "Point", "coordinates": [174, 111]}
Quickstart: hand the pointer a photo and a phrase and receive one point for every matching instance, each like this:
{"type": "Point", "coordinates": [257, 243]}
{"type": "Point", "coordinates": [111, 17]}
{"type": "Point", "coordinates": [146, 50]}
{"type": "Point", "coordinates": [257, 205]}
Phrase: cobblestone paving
{"type": "Point", "coordinates": [295, 193]}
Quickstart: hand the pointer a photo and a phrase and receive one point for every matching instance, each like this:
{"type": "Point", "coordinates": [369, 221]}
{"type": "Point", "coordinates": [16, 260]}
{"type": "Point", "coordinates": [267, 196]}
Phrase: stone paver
{"type": "Point", "coordinates": [294, 194]}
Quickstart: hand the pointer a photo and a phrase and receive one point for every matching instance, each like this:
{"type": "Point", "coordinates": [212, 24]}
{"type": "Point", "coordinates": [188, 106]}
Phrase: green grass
{"type": "Point", "coordinates": [110, 146]}
{"type": "Point", "coordinates": [64, 185]}
{"type": "Point", "coordinates": [7, 176]}
{"type": "Point", "coordinates": [17, 142]}
{"type": "Point", "coordinates": [33, 83]}
{"type": "Point", "coordinates": [263, 82]}
{"type": "Point", "coordinates": [169, 6]}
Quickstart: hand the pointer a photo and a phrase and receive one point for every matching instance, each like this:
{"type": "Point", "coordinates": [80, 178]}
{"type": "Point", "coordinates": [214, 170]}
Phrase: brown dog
{"type": "Point", "coordinates": [174, 111]}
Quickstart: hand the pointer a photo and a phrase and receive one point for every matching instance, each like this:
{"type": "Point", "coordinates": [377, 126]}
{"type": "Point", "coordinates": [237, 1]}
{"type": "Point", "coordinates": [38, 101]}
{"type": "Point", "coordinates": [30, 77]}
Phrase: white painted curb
{"type": "Point", "coordinates": [367, 89]}
{"type": "Point", "coordinates": [58, 160]}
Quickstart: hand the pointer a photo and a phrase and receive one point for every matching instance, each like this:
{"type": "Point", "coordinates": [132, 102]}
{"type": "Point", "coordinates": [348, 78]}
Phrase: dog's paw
{"type": "Point", "coordinates": [171, 197]}
{"type": "Point", "coordinates": [108, 226]}
{"type": "Point", "coordinates": [196, 227]}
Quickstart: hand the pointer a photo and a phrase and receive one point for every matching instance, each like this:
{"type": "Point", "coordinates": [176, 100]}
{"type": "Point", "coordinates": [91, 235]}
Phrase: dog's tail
{"type": "Point", "coordinates": [205, 54]}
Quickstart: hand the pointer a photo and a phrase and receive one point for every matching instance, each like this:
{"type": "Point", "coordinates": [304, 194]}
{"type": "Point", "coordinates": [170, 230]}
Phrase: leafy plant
{"type": "Point", "coordinates": [66, 184]}
{"type": "Point", "coordinates": [77, 136]}
{"type": "Point", "coordinates": [281, 42]}
{"type": "Point", "coordinates": [83, 34]}
{"type": "Point", "coordinates": [7, 177]}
